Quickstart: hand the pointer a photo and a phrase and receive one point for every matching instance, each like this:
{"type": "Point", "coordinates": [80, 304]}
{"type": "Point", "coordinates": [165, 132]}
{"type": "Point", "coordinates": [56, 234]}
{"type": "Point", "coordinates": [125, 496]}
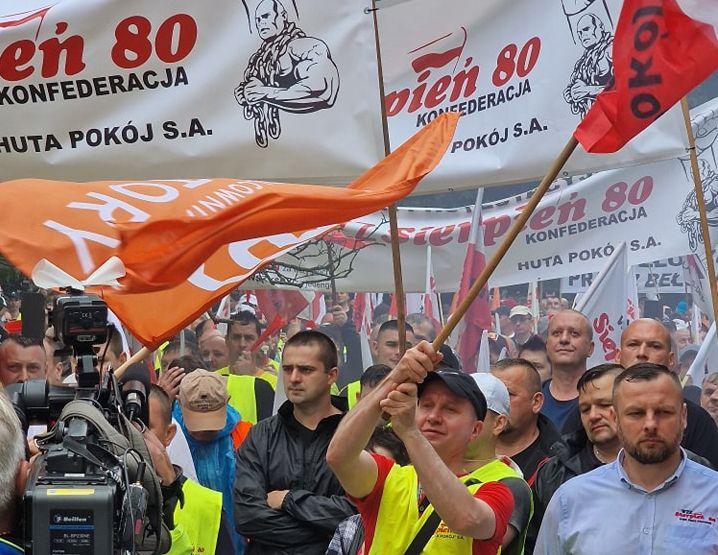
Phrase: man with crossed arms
{"type": "Point", "coordinates": [436, 421]}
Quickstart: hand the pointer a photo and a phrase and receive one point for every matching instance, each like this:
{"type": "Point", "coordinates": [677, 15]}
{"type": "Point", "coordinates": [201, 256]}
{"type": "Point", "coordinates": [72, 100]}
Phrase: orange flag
{"type": "Point", "coordinates": [185, 243]}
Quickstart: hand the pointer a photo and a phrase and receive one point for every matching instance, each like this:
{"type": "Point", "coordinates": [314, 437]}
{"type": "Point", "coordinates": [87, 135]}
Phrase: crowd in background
{"type": "Point", "coordinates": [295, 443]}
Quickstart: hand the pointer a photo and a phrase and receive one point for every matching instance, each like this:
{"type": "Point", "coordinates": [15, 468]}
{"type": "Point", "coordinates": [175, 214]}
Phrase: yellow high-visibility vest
{"type": "Point", "coordinates": [242, 397]}
{"type": "Point", "coordinates": [399, 521]}
{"type": "Point", "coordinates": [352, 389]}
{"type": "Point", "coordinates": [197, 522]}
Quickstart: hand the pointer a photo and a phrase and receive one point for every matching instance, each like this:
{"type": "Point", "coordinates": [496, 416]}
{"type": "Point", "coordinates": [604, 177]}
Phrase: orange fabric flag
{"type": "Point", "coordinates": [185, 243]}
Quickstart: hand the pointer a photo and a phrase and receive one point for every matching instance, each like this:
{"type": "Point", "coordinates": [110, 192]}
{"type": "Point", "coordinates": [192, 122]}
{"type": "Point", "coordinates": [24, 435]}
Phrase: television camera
{"type": "Point", "coordinates": [92, 490]}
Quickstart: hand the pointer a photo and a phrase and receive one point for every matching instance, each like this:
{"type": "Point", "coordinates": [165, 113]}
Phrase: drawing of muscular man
{"type": "Point", "coordinates": [594, 69]}
{"type": "Point", "coordinates": [290, 71]}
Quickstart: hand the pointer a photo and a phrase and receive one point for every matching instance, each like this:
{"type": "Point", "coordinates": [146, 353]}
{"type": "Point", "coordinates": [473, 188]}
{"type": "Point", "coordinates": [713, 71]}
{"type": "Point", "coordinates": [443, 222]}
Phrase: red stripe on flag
{"type": "Point", "coordinates": [659, 54]}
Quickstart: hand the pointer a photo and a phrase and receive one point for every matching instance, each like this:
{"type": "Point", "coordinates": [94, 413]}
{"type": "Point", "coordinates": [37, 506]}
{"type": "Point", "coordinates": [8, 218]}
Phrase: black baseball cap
{"type": "Point", "coordinates": [460, 384]}
{"type": "Point", "coordinates": [450, 359]}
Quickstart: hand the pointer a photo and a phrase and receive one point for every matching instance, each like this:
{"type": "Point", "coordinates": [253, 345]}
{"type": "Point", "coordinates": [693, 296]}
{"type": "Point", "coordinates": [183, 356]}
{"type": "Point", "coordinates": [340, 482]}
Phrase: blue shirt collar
{"type": "Point", "coordinates": [668, 483]}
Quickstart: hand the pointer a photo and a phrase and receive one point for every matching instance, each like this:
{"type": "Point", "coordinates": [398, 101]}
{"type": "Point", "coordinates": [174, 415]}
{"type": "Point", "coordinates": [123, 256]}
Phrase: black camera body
{"type": "Point", "coordinates": [80, 320]}
{"type": "Point", "coordinates": [89, 489]}
{"type": "Point", "coordinates": [70, 506]}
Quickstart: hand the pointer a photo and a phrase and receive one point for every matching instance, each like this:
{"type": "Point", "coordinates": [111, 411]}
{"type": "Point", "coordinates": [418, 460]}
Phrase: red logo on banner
{"type": "Point", "coordinates": [603, 327]}
{"type": "Point", "coordinates": [431, 92]}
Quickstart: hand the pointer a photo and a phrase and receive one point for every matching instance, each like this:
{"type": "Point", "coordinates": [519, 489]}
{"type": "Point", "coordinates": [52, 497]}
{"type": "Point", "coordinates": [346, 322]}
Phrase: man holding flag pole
{"type": "Point", "coordinates": [660, 53]}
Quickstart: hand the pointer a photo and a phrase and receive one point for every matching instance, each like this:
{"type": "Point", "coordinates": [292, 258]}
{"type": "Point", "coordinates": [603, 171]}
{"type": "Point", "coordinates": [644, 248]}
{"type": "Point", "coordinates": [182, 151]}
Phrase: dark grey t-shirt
{"type": "Point", "coordinates": [521, 515]}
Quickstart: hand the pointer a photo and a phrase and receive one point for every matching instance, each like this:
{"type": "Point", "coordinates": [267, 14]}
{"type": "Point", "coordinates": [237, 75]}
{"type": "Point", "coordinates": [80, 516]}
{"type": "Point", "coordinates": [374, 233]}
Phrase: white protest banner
{"type": "Point", "coordinates": [523, 72]}
{"type": "Point", "coordinates": [660, 276]}
{"type": "Point", "coordinates": [706, 361]}
{"type": "Point", "coordinates": [573, 231]}
{"type": "Point", "coordinates": [605, 305]}
{"type": "Point", "coordinates": [136, 89]}
{"type": "Point", "coordinates": [699, 285]}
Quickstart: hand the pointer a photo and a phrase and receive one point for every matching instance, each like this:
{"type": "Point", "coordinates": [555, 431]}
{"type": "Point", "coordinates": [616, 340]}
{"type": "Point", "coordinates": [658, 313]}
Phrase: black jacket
{"type": "Point", "coordinates": [566, 462]}
{"type": "Point", "coordinates": [548, 436]}
{"type": "Point", "coordinates": [280, 454]}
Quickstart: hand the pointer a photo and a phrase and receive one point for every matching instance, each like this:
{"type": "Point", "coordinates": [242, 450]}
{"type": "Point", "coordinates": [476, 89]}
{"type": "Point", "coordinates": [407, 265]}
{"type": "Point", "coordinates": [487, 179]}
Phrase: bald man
{"type": "Point", "coordinates": [568, 346]}
{"type": "Point", "coordinates": [647, 340]}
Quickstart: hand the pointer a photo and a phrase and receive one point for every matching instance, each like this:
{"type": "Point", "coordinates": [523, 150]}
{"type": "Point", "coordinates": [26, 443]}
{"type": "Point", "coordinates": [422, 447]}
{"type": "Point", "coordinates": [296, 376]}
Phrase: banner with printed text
{"type": "Point", "coordinates": [651, 207]}
{"type": "Point", "coordinates": [523, 72]}
{"type": "Point", "coordinates": [280, 90]}
{"type": "Point", "coordinates": [653, 278]}
{"type": "Point", "coordinates": [572, 232]}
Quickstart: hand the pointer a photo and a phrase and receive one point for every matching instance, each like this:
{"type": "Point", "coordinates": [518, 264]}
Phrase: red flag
{"type": "Point", "coordinates": [279, 307]}
{"type": "Point", "coordinates": [430, 295]}
{"type": "Point", "coordinates": [662, 49]}
{"type": "Point", "coordinates": [393, 307]}
{"type": "Point", "coordinates": [315, 311]}
{"type": "Point", "coordinates": [360, 308]}
{"type": "Point", "coordinates": [478, 316]}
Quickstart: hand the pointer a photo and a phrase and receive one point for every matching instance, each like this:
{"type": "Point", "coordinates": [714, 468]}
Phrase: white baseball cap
{"type": "Point", "coordinates": [521, 310]}
{"type": "Point", "coordinates": [497, 396]}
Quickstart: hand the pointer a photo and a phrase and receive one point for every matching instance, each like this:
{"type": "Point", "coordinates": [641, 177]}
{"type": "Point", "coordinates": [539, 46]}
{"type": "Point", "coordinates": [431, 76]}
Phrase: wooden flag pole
{"type": "Point", "coordinates": [393, 221]}
{"type": "Point", "coordinates": [513, 232]}
{"type": "Point", "coordinates": [332, 280]}
{"type": "Point", "coordinates": [698, 186]}
{"type": "Point", "coordinates": [137, 357]}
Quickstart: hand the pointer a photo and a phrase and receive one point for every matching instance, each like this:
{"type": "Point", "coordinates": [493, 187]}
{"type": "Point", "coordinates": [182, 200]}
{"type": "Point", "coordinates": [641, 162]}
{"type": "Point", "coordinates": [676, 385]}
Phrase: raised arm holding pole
{"type": "Point", "coordinates": [503, 248]}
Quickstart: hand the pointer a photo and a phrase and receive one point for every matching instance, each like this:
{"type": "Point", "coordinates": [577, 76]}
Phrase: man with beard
{"type": "Point", "coordinates": [594, 69]}
{"type": "Point", "coordinates": [652, 498]}
{"type": "Point", "coordinates": [290, 72]}
{"type": "Point", "coordinates": [647, 340]}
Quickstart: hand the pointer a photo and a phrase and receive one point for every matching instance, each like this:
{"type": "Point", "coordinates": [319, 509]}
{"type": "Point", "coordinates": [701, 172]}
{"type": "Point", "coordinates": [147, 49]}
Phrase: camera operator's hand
{"type": "Point", "coordinates": [170, 381]}
{"type": "Point", "coordinates": [160, 459]}
{"type": "Point", "coordinates": [32, 447]}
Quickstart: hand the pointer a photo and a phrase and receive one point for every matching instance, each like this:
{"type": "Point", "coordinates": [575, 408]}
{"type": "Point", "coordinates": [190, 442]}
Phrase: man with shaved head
{"type": "Point", "coordinates": [528, 435]}
{"type": "Point", "coordinates": [647, 340]}
{"type": "Point", "coordinates": [214, 350]}
{"type": "Point", "coordinates": [568, 346]}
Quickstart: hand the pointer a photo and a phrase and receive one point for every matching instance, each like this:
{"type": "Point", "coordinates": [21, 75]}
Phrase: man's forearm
{"type": "Point", "coordinates": [448, 495]}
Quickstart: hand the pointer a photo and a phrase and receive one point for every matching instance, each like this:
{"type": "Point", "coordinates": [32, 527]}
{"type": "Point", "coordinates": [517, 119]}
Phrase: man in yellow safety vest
{"type": "Point", "coordinates": [436, 421]}
{"type": "Point", "coordinates": [199, 519]}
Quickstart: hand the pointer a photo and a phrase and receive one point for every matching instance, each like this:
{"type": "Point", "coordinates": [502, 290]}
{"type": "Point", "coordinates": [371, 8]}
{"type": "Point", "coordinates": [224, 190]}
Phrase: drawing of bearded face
{"type": "Point", "coordinates": [270, 19]}
{"type": "Point", "coordinates": [590, 30]}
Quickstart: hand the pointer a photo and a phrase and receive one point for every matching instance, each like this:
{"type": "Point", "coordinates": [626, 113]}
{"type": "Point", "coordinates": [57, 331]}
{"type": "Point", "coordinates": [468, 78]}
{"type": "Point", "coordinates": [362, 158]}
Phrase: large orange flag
{"type": "Point", "coordinates": [184, 244]}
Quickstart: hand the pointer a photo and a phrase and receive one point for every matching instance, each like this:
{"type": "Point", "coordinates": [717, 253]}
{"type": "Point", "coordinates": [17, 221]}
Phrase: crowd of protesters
{"type": "Point", "coordinates": [297, 444]}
